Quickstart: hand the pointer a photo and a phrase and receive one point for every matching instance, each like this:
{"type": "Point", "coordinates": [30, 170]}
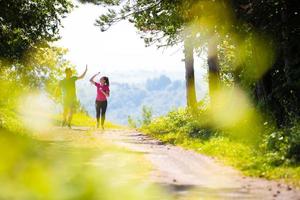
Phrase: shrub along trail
{"type": "Point", "coordinates": [186, 174]}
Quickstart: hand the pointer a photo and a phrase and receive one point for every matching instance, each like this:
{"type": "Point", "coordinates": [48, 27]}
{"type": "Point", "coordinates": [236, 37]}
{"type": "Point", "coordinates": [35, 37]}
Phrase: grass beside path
{"type": "Point", "coordinates": [247, 159]}
{"type": "Point", "coordinates": [60, 163]}
{"type": "Point", "coordinates": [70, 164]}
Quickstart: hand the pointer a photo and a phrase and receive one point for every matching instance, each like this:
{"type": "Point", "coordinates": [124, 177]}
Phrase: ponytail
{"type": "Point", "coordinates": [106, 80]}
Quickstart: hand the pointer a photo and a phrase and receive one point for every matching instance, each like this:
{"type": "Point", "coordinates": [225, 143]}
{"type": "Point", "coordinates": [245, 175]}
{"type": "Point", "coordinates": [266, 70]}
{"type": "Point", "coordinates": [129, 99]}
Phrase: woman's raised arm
{"type": "Point", "coordinates": [92, 79]}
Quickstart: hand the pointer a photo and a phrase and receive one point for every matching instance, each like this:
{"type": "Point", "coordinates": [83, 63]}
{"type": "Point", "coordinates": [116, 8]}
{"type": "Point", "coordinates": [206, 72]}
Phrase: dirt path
{"type": "Point", "coordinates": [185, 173]}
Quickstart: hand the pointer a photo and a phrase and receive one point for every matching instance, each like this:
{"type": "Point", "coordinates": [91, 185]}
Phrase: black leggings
{"type": "Point", "coordinates": [101, 108]}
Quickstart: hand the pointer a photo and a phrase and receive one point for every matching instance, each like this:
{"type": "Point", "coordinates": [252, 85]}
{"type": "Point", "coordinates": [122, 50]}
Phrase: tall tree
{"type": "Point", "coordinates": [189, 73]}
{"type": "Point", "coordinates": [213, 69]}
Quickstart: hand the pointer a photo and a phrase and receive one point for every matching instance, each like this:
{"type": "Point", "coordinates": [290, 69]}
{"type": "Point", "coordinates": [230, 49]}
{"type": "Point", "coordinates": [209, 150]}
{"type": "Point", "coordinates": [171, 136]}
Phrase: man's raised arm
{"type": "Point", "coordinates": [82, 75]}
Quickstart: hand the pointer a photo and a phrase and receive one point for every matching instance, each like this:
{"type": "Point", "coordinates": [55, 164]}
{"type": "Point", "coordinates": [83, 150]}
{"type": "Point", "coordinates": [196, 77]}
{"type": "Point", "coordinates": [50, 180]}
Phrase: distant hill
{"type": "Point", "coordinates": [157, 84]}
{"type": "Point", "coordinates": [160, 93]}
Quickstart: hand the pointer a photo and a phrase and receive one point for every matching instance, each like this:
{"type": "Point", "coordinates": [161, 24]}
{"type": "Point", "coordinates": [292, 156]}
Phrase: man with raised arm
{"type": "Point", "coordinates": [69, 98]}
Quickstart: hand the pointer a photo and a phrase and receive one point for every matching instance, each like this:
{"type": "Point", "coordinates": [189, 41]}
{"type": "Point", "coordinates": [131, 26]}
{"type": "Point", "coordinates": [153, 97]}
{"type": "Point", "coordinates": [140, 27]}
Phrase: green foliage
{"type": "Point", "coordinates": [27, 61]}
{"type": "Point", "coordinates": [276, 90]}
{"type": "Point", "coordinates": [181, 122]}
{"type": "Point", "coordinates": [144, 120]}
{"type": "Point", "coordinates": [168, 123]}
{"type": "Point", "coordinates": [25, 24]}
{"type": "Point", "coordinates": [293, 151]}
{"type": "Point", "coordinates": [44, 68]}
{"type": "Point", "coordinates": [9, 120]}
{"type": "Point", "coordinates": [146, 116]}
{"type": "Point", "coordinates": [276, 144]}
{"type": "Point", "coordinates": [283, 145]}
{"type": "Point", "coordinates": [131, 122]}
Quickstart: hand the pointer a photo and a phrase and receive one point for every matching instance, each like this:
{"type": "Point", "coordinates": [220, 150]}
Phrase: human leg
{"type": "Point", "coordinates": [65, 114]}
{"type": "Point", "coordinates": [103, 112]}
{"type": "Point", "coordinates": [98, 108]}
{"type": "Point", "coordinates": [70, 115]}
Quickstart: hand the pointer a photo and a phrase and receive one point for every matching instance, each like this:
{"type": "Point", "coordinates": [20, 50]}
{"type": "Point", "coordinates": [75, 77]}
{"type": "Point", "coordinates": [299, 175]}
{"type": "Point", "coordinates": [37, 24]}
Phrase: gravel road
{"type": "Point", "coordinates": [186, 174]}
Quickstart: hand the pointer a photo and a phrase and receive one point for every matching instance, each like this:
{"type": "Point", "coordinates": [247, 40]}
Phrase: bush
{"type": "Point", "coordinates": [131, 122]}
{"type": "Point", "coordinates": [293, 150]}
{"type": "Point", "coordinates": [282, 145]}
{"type": "Point", "coordinates": [147, 115]}
{"type": "Point", "coordinates": [172, 122]}
{"type": "Point", "coordinates": [193, 125]}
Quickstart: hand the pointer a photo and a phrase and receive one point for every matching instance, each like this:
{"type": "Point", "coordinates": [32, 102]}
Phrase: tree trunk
{"type": "Point", "coordinates": [213, 70]}
{"type": "Point", "coordinates": [291, 56]}
{"type": "Point", "coordinates": [286, 42]}
{"type": "Point", "coordinates": [189, 73]}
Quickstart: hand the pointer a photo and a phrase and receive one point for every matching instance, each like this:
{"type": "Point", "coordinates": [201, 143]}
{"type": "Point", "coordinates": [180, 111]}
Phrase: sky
{"type": "Point", "coordinates": [119, 52]}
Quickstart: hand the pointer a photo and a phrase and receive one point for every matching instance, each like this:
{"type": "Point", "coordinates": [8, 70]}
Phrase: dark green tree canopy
{"type": "Point", "coordinates": [26, 23]}
{"type": "Point", "coordinates": [279, 90]}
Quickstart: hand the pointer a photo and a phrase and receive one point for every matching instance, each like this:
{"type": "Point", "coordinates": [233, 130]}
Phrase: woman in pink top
{"type": "Point", "coordinates": [101, 100]}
